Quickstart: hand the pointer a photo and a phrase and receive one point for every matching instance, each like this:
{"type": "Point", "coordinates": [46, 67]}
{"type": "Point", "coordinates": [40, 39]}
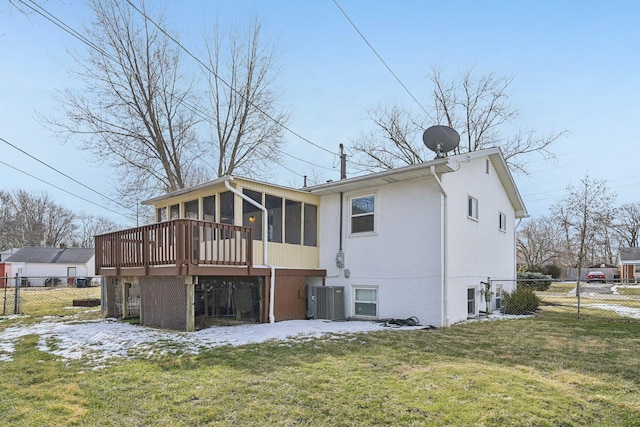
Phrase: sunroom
{"type": "Point", "coordinates": [230, 250]}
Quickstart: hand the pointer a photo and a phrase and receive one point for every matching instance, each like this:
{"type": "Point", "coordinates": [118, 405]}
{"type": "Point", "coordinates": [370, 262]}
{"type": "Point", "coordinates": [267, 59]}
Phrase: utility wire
{"type": "Point", "coordinates": [62, 189]}
{"type": "Point", "coordinates": [381, 60]}
{"type": "Point", "coordinates": [63, 174]}
{"type": "Point", "coordinates": [62, 25]}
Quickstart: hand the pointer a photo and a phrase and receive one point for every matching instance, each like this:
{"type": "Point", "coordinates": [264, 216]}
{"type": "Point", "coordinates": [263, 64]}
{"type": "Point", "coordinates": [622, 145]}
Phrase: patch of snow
{"type": "Point", "coordinates": [104, 339]}
{"type": "Point", "coordinates": [99, 341]}
{"type": "Point", "coordinates": [618, 309]}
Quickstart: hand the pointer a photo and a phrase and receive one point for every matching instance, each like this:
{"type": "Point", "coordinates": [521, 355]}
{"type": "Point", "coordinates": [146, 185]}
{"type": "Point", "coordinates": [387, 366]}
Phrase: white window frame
{"type": "Point", "coordinates": [472, 208]}
{"type": "Point", "coordinates": [502, 222]}
{"type": "Point", "coordinates": [351, 215]}
{"type": "Point", "coordinates": [475, 301]}
{"type": "Point", "coordinates": [356, 288]}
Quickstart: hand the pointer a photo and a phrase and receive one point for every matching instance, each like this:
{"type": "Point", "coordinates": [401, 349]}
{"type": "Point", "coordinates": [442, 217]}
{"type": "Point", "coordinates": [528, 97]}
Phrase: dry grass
{"type": "Point", "coordinates": [549, 370]}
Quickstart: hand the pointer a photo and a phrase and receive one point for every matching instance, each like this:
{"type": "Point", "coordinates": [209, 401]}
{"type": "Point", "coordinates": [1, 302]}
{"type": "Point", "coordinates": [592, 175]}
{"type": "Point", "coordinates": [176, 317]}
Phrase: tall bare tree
{"type": "Point", "coordinates": [477, 106]}
{"type": "Point", "coordinates": [627, 224]}
{"type": "Point", "coordinates": [537, 241]}
{"type": "Point", "coordinates": [584, 214]}
{"type": "Point", "coordinates": [90, 226]}
{"type": "Point", "coordinates": [30, 219]}
{"type": "Point", "coordinates": [247, 125]}
{"type": "Point", "coordinates": [133, 109]}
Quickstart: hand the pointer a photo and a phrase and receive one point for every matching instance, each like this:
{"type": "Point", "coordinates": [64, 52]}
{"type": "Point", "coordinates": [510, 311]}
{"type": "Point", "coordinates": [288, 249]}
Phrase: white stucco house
{"type": "Point", "coordinates": [51, 266]}
{"type": "Point", "coordinates": [420, 240]}
{"type": "Point", "coordinates": [414, 241]}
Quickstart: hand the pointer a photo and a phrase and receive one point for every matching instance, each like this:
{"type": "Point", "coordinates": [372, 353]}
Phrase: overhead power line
{"type": "Point", "coordinates": [62, 173]}
{"type": "Point", "coordinates": [206, 67]}
{"type": "Point", "coordinates": [381, 60]}
{"type": "Point", "coordinates": [62, 189]}
{"type": "Point", "coordinates": [74, 33]}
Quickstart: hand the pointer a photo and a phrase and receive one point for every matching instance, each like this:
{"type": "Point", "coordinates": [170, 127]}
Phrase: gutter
{"type": "Point", "coordinates": [265, 245]}
{"type": "Point", "coordinates": [445, 290]}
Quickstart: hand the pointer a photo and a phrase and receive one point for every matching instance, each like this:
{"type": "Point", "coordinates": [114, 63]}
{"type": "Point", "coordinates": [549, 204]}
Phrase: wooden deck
{"type": "Point", "coordinates": [178, 247]}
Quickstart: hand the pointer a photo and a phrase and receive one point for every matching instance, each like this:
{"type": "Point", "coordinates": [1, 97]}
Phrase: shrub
{"type": "Point", "coordinates": [521, 301]}
{"type": "Point", "coordinates": [534, 280]}
{"type": "Point", "coordinates": [552, 270]}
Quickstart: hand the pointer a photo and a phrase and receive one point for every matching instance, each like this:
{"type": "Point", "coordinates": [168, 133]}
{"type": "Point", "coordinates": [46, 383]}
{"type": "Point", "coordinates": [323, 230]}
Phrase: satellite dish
{"type": "Point", "coordinates": [440, 139]}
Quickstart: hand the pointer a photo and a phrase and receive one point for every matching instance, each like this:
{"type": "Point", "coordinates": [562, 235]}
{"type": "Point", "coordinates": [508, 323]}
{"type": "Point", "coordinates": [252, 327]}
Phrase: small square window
{"type": "Point", "coordinates": [472, 211]}
{"type": "Point", "coordinates": [365, 302]}
{"type": "Point", "coordinates": [502, 222]}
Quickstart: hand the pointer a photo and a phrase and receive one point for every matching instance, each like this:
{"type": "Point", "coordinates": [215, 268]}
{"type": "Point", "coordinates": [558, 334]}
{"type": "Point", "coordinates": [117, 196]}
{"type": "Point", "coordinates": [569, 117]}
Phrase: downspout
{"type": "Point", "coordinates": [265, 245]}
{"type": "Point", "coordinates": [445, 291]}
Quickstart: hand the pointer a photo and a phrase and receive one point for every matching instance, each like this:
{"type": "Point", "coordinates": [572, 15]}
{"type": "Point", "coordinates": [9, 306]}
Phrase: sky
{"type": "Point", "coordinates": [576, 67]}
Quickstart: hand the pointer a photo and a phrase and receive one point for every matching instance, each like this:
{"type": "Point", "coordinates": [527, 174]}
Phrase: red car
{"type": "Point", "coordinates": [596, 276]}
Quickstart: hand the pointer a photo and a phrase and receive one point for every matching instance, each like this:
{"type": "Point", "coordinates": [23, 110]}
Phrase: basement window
{"type": "Point", "coordinates": [471, 302]}
{"type": "Point", "coordinates": [365, 302]}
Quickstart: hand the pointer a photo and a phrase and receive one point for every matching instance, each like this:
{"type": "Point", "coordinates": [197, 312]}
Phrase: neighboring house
{"type": "Point", "coordinates": [38, 266]}
{"type": "Point", "coordinates": [629, 265]}
{"type": "Point", "coordinates": [414, 241]}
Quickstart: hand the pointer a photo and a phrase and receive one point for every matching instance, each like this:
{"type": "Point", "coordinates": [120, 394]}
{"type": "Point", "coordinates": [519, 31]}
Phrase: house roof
{"type": "Point", "coordinates": [442, 165]}
{"type": "Point", "coordinates": [419, 170]}
{"type": "Point", "coordinates": [381, 178]}
{"type": "Point", "coordinates": [213, 183]}
{"type": "Point", "coordinates": [629, 254]}
{"type": "Point", "coordinates": [52, 255]}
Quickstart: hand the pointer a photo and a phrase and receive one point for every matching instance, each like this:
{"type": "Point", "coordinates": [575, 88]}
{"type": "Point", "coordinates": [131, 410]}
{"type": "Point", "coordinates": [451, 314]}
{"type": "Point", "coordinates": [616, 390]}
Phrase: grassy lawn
{"type": "Point", "coordinates": [548, 370]}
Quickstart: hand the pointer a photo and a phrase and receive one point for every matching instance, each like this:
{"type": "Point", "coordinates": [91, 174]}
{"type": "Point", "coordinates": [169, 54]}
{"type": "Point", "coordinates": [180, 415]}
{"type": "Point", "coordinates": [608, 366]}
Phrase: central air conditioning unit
{"type": "Point", "coordinates": [329, 302]}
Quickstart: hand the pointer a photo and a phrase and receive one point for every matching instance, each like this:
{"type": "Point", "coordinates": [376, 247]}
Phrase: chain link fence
{"type": "Point", "coordinates": [581, 297]}
{"type": "Point", "coordinates": [48, 296]}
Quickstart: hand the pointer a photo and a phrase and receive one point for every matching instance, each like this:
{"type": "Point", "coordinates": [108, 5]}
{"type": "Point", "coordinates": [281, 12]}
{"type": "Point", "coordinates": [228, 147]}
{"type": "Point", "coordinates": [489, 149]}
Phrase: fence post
{"type": "Point", "coordinates": [6, 285]}
{"type": "Point", "coordinates": [16, 304]}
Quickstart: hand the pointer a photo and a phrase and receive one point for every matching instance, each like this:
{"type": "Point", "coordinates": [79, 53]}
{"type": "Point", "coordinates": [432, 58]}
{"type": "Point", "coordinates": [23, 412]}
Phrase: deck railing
{"type": "Point", "coordinates": [177, 242]}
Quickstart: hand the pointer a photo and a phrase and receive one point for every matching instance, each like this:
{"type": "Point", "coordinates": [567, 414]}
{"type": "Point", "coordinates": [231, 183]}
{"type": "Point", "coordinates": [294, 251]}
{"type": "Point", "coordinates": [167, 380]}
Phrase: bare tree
{"type": "Point", "coordinates": [584, 213]}
{"type": "Point", "coordinates": [390, 143]}
{"type": "Point", "coordinates": [537, 241]}
{"type": "Point", "coordinates": [8, 222]}
{"type": "Point", "coordinates": [478, 107]}
{"type": "Point", "coordinates": [90, 226]}
{"type": "Point", "coordinates": [627, 224]}
{"type": "Point", "coordinates": [132, 111]}
{"type": "Point", "coordinates": [247, 126]}
{"type": "Point", "coordinates": [35, 219]}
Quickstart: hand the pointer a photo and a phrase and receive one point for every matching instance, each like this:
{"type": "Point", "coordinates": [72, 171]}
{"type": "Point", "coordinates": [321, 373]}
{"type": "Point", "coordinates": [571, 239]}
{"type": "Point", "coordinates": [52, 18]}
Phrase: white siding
{"type": "Point", "coordinates": [401, 258]}
{"type": "Point", "coordinates": [476, 249]}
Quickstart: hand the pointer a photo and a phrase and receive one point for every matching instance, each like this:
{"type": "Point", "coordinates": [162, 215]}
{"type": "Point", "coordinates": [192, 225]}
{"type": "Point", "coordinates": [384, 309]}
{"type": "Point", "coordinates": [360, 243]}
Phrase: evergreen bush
{"type": "Point", "coordinates": [534, 280]}
{"type": "Point", "coordinates": [521, 301]}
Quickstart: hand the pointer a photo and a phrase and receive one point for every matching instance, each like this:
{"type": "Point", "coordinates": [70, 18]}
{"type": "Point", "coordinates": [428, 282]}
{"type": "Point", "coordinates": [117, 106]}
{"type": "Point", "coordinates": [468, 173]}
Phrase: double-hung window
{"type": "Point", "coordinates": [362, 214]}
